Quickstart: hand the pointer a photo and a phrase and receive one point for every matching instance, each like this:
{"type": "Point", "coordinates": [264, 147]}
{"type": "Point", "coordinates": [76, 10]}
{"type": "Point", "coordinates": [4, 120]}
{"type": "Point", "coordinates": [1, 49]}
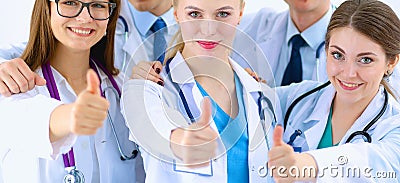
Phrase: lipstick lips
{"type": "Point", "coordinates": [349, 86]}
{"type": "Point", "coordinates": [208, 44]}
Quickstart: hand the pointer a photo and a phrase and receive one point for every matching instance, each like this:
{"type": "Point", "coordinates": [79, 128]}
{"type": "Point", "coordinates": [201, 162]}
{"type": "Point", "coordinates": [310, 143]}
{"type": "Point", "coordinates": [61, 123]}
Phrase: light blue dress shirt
{"type": "Point", "coordinates": [143, 22]}
{"type": "Point", "coordinates": [314, 37]}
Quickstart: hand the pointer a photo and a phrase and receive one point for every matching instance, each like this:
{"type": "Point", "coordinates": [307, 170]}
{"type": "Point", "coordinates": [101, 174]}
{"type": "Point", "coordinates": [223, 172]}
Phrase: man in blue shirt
{"type": "Point", "coordinates": [273, 33]}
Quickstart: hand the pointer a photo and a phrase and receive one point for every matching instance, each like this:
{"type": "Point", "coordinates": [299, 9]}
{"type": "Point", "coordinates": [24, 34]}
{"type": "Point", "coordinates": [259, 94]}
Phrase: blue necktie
{"type": "Point", "coordinates": [294, 70]}
{"type": "Point", "coordinates": [160, 45]}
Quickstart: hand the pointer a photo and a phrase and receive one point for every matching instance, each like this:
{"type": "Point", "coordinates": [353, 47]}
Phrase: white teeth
{"type": "Point", "coordinates": [80, 31]}
{"type": "Point", "coordinates": [349, 85]}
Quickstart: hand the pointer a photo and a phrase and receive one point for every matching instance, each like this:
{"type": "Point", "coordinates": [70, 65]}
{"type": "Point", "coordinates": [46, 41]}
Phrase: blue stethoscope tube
{"type": "Point", "coordinates": [126, 28]}
{"type": "Point", "coordinates": [123, 156]}
{"type": "Point", "coordinates": [117, 93]}
{"type": "Point", "coordinates": [364, 133]}
{"type": "Point", "coordinates": [261, 111]}
{"type": "Point", "coordinates": [181, 95]}
{"type": "Point", "coordinates": [126, 35]}
{"type": "Point", "coordinates": [262, 98]}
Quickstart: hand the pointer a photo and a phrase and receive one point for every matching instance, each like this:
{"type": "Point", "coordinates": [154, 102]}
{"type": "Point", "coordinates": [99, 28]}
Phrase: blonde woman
{"type": "Point", "coordinates": [204, 124]}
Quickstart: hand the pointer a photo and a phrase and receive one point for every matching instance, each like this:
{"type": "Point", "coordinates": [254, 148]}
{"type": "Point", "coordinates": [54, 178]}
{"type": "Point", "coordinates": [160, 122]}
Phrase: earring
{"type": "Point", "coordinates": [388, 73]}
{"type": "Point", "coordinates": [105, 33]}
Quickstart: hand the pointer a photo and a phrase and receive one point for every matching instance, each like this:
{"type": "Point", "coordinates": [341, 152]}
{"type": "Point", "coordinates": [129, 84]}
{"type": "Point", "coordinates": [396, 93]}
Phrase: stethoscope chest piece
{"type": "Point", "coordinates": [74, 176]}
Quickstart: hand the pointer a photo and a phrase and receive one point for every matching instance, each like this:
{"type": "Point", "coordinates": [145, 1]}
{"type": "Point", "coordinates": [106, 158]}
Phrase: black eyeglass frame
{"type": "Point", "coordinates": [111, 9]}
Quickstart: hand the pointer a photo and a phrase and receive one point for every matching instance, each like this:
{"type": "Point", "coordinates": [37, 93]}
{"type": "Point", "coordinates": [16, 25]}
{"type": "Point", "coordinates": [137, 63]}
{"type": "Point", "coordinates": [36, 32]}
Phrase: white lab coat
{"type": "Point", "coordinates": [125, 49]}
{"type": "Point", "coordinates": [28, 156]}
{"type": "Point", "coordinates": [310, 116]}
{"type": "Point", "coordinates": [268, 29]}
{"type": "Point", "coordinates": [152, 111]}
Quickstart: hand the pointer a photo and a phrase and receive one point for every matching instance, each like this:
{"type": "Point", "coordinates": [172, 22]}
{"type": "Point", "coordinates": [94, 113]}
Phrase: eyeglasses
{"type": "Point", "coordinates": [98, 10]}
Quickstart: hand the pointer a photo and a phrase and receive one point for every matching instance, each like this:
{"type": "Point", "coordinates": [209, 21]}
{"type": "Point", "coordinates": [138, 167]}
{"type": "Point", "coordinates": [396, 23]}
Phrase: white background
{"type": "Point", "coordinates": [15, 16]}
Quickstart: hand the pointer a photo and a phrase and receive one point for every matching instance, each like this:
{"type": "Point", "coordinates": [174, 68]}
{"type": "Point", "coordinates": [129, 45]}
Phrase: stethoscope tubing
{"type": "Point", "coordinates": [351, 136]}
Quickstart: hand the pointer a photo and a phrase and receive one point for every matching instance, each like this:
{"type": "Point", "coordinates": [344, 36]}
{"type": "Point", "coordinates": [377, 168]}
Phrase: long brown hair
{"type": "Point", "coordinates": [374, 19]}
{"type": "Point", "coordinates": [42, 43]}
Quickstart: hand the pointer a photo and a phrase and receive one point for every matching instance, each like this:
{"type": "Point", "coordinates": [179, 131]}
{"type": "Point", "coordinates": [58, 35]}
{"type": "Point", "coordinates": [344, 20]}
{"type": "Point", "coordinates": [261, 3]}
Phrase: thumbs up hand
{"type": "Point", "coordinates": [93, 83]}
{"type": "Point", "coordinates": [90, 108]}
{"type": "Point", "coordinates": [197, 144]}
{"type": "Point", "coordinates": [280, 154]}
{"type": "Point", "coordinates": [282, 157]}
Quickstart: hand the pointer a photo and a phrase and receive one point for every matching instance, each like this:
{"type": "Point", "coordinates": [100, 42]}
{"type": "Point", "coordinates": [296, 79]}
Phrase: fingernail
{"type": "Point", "coordinates": [161, 83]}
{"type": "Point", "coordinates": [158, 70]}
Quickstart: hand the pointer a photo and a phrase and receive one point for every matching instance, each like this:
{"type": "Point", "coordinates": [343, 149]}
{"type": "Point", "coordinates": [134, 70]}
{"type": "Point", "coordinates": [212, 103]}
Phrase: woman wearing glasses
{"type": "Point", "coordinates": [59, 132]}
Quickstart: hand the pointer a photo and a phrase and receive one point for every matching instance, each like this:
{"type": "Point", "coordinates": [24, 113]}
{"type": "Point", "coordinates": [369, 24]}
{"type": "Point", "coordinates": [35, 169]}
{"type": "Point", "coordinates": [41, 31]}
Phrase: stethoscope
{"type": "Point", "coordinates": [73, 174]}
{"type": "Point", "coordinates": [265, 101]}
{"type": "Point", "coordinates": [264, 106]}
{"type": "Point", "coordinates": [318, 52]}
{"type": "Point", "coordinates": [317, 58]}
{"type": "Point", "coordinates": [126, 36]}
{"type": "Point", "coordinates": [365, 135]}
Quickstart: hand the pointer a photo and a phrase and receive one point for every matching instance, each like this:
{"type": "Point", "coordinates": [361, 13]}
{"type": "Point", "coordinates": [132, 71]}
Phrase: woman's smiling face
{"type": "Point", "coordinates": [355, 64]}
{"type": "Point", "coordinates": [79, 33]}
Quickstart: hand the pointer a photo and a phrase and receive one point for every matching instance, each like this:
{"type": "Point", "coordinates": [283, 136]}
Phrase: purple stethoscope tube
{"type": "Point", "coordinates": [68, 158]}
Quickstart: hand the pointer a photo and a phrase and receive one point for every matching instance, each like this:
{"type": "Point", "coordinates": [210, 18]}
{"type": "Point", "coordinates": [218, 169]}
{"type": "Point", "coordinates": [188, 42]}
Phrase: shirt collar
{"type": "Point", "coordinates": [248, 82]}
{"type": "Point", "coordinates": [183, 75]}
{"type": "Point", "coordinates": [144, 19]}
{"type": "Point", "coordinates": [322, 107]}
{"type": "Point", "coordinates": [313, 34]}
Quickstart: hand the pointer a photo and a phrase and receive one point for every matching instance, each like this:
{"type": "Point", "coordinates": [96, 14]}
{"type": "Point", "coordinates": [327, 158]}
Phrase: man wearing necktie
{"type": "Point", "coordinates": [291, 42]}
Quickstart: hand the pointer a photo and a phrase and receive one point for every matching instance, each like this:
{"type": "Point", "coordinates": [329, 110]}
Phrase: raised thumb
{"type": "Point", "coordinates": [205, 112]}
{"type": "Point", "coordinates": [92, 82]}
{"type": "Point", "coordinates": [39, 81]}
{"type": "Point", "coordinates": [278, 133]}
